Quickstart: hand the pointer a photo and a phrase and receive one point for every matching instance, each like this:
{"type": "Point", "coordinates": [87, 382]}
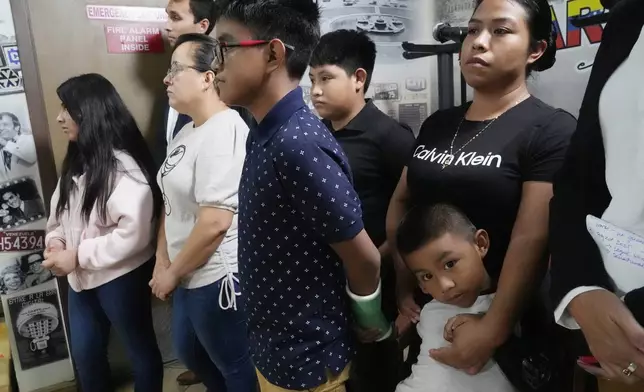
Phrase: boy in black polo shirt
{"type": "Point", "coordinates": [378, 148]}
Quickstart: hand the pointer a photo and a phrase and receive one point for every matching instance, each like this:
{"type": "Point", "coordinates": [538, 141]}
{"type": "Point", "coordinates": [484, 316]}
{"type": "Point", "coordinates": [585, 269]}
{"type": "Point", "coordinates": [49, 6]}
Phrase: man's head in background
{"type": "Point", "coordinates": [189, 16]}
{"type": "Point", "coordinates": [265, 47]}
{"type": "Point", "coordinates": [9, 126]}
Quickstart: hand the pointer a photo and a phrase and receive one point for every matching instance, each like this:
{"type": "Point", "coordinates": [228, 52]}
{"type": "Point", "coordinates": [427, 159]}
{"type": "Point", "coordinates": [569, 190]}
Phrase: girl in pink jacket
{"type": "Point", "coordinates": [100, 233]}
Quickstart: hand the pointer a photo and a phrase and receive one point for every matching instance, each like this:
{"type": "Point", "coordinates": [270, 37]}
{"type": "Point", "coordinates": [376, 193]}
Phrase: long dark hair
{"type": "Point", "coordinates": [104, 125]}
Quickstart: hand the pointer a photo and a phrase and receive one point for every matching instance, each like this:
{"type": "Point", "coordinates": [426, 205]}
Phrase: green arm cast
{"type": "Point", "coordinates": [368, 312]}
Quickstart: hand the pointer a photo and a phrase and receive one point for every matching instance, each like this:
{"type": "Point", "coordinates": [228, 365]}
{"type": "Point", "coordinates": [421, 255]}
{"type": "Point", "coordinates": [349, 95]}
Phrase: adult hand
{"type": "Point", "coordinates": [164, 284]}
{"type": "Point", "coordinates": [61, 262]}
{"type": "Point", "coordinates": [161, 264]}
{"type": "Point", "coordinates": [473, 344]}
{"type": "Point", "coordinates": [613, 335]}
{"type": "Point", "coordinates": [407, 305]}
{"type": "Point", "coordinates": [55, 245]}
{"type": "Point", "coordinates": [457, 321]}
{"type": "Point", "coordinates": [402, 325]}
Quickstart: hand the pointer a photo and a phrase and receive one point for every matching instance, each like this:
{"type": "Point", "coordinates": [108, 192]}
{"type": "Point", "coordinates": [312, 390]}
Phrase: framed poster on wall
{"type": "Point", "coordinates": [10, 72]}
{"type": "Point", "coordinates": [37, 334]}
{"type": "Point", "coordinates": [37, 325]}
{"type": "Point", "coordinates": [30, 294]}
{"type": "Point", "coordinates": [21, 271]}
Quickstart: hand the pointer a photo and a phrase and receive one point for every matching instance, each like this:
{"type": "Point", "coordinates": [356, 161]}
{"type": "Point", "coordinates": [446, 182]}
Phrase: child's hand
{"type": "Point", "coordinates": [402, 325]}
{"type": "Point", "coordinates": [456, 322]}
{"type": "Point", "coordinates": [407, 305]}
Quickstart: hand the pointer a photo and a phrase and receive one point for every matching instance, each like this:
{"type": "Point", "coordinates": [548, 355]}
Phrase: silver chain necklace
{"type": "Point", "coordinates": [448, 162]}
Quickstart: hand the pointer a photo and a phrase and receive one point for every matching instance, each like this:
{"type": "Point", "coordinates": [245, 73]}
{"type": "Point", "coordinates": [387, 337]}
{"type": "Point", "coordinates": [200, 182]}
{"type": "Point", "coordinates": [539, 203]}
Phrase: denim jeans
{"type": "Point", "coordinates": [213, 342]}
{"type": "Point", "coordinates": [125, 304]}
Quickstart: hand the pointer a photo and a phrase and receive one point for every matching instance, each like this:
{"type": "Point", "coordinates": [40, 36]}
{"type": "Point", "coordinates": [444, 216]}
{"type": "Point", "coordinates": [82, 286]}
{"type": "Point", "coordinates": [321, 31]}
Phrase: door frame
{"type": "Point", "coordinates": [35, 99]}
{"type": "Point", "coordinates": [40, 126]}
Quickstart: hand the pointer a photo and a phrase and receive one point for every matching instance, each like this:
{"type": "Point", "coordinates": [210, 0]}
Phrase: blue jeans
{"type": "Point", "coordinates": [124, 303]}
{"type": "Point", "coordinates": [213, 342]}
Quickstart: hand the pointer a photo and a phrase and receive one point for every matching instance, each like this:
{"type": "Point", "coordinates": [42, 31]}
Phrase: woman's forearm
{"type": "Point", "coordinates": [395, 213]}
{"type": "Point", "coordinates": [162, 243]}
{"type": "Point", "coordinates": [522, 273]}
{"type": "Point", "coordinates": [399, 265]}
{"type": "Point", "coordinates": [405, 281]}
{"type": "Point", "coordinates": [525, 260]}
{"type": "Point", "coordinates": [204, 239]}
{"type": "Point", "coordinates": [384, 250]}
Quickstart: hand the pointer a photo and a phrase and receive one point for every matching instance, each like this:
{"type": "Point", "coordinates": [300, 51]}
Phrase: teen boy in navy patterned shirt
{"type": "Point", "coordinates": [300, 224]}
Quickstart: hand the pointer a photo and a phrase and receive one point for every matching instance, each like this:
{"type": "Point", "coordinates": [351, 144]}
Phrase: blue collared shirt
{"type": "Point", "coordinates": [295, 198]}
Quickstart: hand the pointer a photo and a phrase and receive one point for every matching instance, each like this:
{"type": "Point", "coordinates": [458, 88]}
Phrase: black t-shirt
{"type": "Point", "coordinates": [486, 173]}
{"type": "Point", "coordinates": [378, 148]}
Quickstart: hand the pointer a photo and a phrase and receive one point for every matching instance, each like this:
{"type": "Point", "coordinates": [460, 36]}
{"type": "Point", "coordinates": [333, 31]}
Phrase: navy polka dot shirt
{"type": "Point", "coordinates": [295, 198]}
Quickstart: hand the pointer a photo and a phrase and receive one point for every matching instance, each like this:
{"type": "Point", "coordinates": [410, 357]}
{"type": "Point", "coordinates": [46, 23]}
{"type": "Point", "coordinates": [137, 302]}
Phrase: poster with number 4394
{"type": "Point", "coordinates": [16, 241]}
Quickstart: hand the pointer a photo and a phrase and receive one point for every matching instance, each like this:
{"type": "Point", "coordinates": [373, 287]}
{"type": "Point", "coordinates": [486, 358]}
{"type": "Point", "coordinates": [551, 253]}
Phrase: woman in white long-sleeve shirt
{"type": "Point", "coordinates": [100, 233]}
{"type": "Point", "coordinates": [197, 249]}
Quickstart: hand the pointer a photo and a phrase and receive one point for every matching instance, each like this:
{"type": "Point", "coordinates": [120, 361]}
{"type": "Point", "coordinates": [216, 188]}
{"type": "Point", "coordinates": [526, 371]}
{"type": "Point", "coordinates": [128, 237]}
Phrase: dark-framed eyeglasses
{"type": "Point", "coordinates": [222, 47]}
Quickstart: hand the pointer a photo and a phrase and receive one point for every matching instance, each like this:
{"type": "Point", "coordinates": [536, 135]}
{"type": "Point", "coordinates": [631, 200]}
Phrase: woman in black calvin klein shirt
{"type": "Point", "coordinates": [495, 160]}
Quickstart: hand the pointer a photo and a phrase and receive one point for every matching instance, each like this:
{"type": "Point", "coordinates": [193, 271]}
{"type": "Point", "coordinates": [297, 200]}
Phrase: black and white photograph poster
{"type": "Point", "coordinates": [20, 203]}
{"type": "Point", "coordinates": [37, 325]}
{"type": "Point", "coordinates": [17, 147]}
{"type": "Point", "coordinates": [388, 23]}
{"type": "Point", "coordinates": [10, 69]}
{"type": "Point", "coordinates": [454, 12]}
{"type": "Point", "coordinates": [22, 271]}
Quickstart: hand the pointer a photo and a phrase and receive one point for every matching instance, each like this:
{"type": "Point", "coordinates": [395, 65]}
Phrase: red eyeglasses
{"type": "Point", "coordinates": [222, 47]}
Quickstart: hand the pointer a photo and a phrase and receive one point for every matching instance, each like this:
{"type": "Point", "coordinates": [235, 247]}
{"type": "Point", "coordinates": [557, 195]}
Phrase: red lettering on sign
{"type": "Point", "coordinates": [134, 39]}
{"type": "Point", "coordinates": [127, 13]}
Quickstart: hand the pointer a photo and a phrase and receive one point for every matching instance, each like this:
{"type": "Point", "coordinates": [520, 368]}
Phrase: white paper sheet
{"type": "Point", "coordinates": [622, 252]}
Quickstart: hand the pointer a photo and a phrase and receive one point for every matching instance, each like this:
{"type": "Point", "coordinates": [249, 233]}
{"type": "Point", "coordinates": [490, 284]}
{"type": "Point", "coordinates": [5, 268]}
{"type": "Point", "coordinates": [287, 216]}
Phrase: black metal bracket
{"type": "Point", "coordinates": [416, 51]}
{"type": "Point", "coordinates": [594, 18]}
{"type": "Point", "coordinates": [445, 55]}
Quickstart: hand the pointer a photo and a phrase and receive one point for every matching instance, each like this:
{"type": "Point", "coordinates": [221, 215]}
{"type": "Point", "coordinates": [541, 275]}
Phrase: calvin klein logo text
{"type": "Point", "coordinates": [462, 159]}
